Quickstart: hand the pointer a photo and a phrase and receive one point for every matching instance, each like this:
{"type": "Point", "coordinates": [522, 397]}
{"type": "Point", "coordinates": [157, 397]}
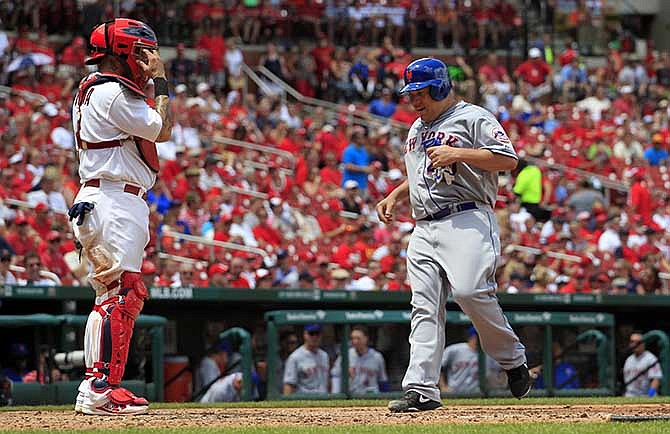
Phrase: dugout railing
{"type": "Point", "coordinates": [600, 332]}
{"type": "Point", "coordinates": [241, 339]}
{"type": "Point", "coordinates": [45, 330]}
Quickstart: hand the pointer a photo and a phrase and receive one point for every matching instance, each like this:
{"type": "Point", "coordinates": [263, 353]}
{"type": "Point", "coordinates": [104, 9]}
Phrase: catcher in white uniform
{"type": "Point", "coordinates": [115, 132]}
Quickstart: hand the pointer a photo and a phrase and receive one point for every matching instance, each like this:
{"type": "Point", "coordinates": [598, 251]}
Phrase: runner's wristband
{"type": "Point", "coordinates": [160, 87]}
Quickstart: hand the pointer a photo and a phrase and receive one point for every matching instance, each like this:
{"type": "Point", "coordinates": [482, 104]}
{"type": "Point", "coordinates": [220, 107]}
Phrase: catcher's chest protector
{"type": "Point", "coordinates": [146, 148]}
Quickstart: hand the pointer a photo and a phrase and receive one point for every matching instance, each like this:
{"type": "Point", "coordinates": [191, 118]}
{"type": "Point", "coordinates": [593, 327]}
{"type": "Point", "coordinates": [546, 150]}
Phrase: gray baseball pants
{"type": "Point", "coordinates": [457, 254]}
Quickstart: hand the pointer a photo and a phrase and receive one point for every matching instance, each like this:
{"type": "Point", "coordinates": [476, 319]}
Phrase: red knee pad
{"type": "Point", "coordinates": [133, 281]}
{"type": "Point", "coordinates": [134, 293]}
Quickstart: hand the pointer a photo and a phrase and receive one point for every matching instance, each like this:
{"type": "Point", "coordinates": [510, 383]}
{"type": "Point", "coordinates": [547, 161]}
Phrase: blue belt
{"type": "Point", "coordinates": [465, 206]}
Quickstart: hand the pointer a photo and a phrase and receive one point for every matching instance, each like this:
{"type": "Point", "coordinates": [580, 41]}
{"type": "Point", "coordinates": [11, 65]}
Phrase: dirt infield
{"type": "Point", "coordinates": [229, 417]}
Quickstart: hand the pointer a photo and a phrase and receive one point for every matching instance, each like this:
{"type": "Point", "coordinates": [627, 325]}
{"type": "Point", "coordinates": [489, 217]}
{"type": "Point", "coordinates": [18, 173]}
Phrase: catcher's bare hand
{"type": "Point", "coordinates": [385, 210]}
{"type": "Point", "coordinates": [443, 155]}
{"type": "Point", "coordinates": [153, 67]}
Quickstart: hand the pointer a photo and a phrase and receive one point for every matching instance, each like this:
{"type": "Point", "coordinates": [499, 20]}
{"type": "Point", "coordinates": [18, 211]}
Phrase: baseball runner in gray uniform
{"type": "Point", "coordinates": [367, 368]}
{"type": "Point", "coordinates": [453, 154]}
{"type": "Point", "coordinates": [306, 368]}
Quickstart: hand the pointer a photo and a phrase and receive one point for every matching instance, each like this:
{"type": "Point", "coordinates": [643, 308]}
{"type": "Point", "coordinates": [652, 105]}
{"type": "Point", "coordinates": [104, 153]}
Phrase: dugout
{"type": "Point", "coordinates": [600, 333]}
{"type": "Point", "coordinates": [46, 331]}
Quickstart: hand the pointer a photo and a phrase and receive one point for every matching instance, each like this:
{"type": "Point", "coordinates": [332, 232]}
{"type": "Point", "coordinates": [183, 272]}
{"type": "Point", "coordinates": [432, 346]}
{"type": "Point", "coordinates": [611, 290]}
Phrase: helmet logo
{"type": "Point", "coordinates": [409, 74]}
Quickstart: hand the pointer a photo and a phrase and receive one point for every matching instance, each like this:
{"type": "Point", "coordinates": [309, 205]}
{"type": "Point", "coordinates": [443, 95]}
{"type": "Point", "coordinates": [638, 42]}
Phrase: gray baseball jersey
{"type": "Point", "coordinates": [458, 252]}
{"type": "Point", "coordinates": [223, 390]}
{"type": "Point", "coordinates": [366, 371]}
{"type": "Point", "coordinates": [207, 372]}
{"type": "Point", "coordinates": [464, 125]}
{"type": "Point", "coordinates": [460, 364]}
{"type": "Point", "coordinates": [307, 371]}
{"type": "Point", "coordinates": [633, 366]}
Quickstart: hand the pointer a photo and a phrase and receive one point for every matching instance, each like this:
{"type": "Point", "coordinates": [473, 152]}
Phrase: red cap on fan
{"type": "Point", "coordinates": [218, 268]}
{"type": "Point", "coordinates": [148, 267]}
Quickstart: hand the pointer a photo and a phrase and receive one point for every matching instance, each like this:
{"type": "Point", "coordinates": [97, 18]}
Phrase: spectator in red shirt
{"type": "Point", "coordinates": [47, 86]}
{"type": "Point", "coordinates": [149, 273]}
{"type": "Point", "coordinates": [276, 183]}
{"type": "Point", "coordinates": [322, 54]}
{"type": "Point", "coordinates": [236, 278]}
{"type": "Point", "coordinates": [290, 142]}
{"type": "Point", "coordinates": [321, 273]}
{"type": "Point", "coordinates": [264, 232]}
{"type": "Point", "coordinates": [345, 254]}
{"type": "Point", "coordinates": [188, 182]}
{"type": "Point", "coordinates": [41, 223]}
{"type": "Point", "coordinates": [329, 141]}
{"type": "Point", "coordinates": [394, 247]}
{"type": "Point", "coordinates": [42, 46]}
{"type": "Point", "coordinates": [23, 44]}
{"type": "Point", "coordinates": [52, 258]}
{"type": "Point", "coordinates": [21, 239]}
{"type": "Point", "coordinates": [213, 46]}
{"type": "Point", "coordinates": [578, 283]}
{"type": "Point", "coordinates": [536, 73]}
{"type": "Point", "coordinates": [626, 252]}
{"type": "Point", "coordinates": [484, 18]}
{"type": "Point", "coordinates": [330, 221]}
{"type": "Point", "coordinates": [569, 54]}
{"type": "Point", "coordinates": [331, 173]}
{"type": "Point", "coordinates": [304, 72]}
{"type": "Point", "coordinates": [599, 283]}
{"type": "Point", "coordinates": [640, 197]}
{"type": "Point", "coordinates": [218, 276]}
{"type": "Point", "coordinates": [222, 227]}
{"type": "Point", "coordinates": [23, 81]}
{"type": "Point", "coordinates": [493, 73]}
{"type": "Point", "coordinates": [626, 102]}
{"type": "Point", "coordinates": [196, 12]}
{"type": "Point", "coordinates": [404, 112]}
{"type": "Point", "coordinates": [171, 169]}
{"type": "Point", "coordinates": [75, 53]}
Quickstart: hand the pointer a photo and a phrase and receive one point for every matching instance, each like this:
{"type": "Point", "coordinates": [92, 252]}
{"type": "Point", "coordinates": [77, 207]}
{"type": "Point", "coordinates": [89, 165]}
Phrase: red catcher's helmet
{"type": "Point", "coordinates": [124, 39]}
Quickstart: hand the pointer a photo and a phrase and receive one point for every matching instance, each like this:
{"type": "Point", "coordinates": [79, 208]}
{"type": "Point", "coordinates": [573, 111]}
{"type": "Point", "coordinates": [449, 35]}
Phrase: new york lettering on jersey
{"type": "Point", "coordinates": [465, 125]}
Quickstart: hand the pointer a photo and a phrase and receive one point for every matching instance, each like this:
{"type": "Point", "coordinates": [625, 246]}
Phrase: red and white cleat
{"type": "Point", "coordinates": [109, 401]}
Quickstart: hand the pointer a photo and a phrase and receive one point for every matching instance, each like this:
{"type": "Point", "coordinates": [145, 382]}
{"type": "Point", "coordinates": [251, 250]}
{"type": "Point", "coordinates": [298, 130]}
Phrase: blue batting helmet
{"type": "Point", "coordinates": [428, 72]}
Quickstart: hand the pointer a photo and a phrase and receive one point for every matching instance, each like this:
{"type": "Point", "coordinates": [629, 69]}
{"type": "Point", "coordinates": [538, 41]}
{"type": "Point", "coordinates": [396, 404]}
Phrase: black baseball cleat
{"type": "Point", "coordinates": [520, 381]}
{"type": "Point", "coordinates": [413, 402]}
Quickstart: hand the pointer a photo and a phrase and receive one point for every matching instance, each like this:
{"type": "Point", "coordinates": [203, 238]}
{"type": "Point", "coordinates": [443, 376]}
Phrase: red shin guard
{"type": "Point", "coordinates": [122, 320]}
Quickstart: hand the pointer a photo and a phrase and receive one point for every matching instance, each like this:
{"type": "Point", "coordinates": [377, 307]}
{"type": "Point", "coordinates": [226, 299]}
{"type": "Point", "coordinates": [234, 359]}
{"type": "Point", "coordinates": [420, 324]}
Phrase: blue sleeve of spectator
{"type": "Point", "coordinates": [374, 107]}
{"type": "Point", "coordinates": [163, 204]}
{"type": "Point", "coordinates": [348, 156]}
{"type": "Point", "coordinates": [582, 76]}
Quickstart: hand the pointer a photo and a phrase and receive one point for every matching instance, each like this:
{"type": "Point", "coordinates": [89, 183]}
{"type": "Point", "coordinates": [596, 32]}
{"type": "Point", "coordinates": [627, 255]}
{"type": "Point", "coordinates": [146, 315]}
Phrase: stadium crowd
{"type": "Point", "coordinates": [311, 208]}
{"type": "Point", "coordinates": [469, 24]}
